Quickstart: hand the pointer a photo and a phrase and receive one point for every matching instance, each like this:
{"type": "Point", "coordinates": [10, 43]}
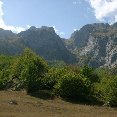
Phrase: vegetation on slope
{"type": "Point", "coordinates": [30, 72]}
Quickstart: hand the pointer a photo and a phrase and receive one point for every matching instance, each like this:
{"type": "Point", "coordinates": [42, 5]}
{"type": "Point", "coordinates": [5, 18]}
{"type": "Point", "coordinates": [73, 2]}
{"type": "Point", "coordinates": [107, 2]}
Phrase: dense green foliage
{"type": "Point", "coordinates": [5, 62]}
{"type": "Point", "coordinates": [31, 73]}
{"type": "Point", "coordinates": [73, 86]}
{"type": "Point", "coordinates": [25, 71]}
{"type": "Point", "coordinates": [52, 77]}
{"type": "Point", "coordinates": [106, 89]}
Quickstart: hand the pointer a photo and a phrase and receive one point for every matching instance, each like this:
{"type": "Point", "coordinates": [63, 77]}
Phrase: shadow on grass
{"type": "Point", "coordinates": [91, 101]}
{"type": "Point", "coordinates": [43, 94]}
{"type": "Point", "coordinates": [48, 95]}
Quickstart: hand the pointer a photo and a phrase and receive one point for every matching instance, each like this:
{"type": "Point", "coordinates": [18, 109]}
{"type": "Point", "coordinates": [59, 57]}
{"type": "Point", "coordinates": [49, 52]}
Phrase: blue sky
{"type": "Point", "coordinates": [64, 15]}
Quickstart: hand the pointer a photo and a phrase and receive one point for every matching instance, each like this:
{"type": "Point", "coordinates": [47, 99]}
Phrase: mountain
{"type": "Point", "coordinates": [44, 41]}
{"type": "Point", "coordinates": [95, 44]}
{"type": "Point", "coordinates": [9, 42]}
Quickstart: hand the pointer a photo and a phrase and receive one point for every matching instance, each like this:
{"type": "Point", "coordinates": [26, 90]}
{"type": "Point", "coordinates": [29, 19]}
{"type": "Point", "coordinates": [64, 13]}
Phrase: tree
{"type": "Point", "coordinates": [106, 91]}
{"type": "Point", "coordinates": [90, 74]}
{"type": "Point", "coordinates": [27, 71]}
{"type": "Point", "coordinates": [5, 62]}
{"type": "Point", "coordinates": [73, 86]}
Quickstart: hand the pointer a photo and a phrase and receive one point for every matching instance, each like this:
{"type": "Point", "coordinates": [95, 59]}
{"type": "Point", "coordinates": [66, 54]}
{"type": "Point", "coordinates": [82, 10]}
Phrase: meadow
{"type": "Point", "coordinates": [28, 106]}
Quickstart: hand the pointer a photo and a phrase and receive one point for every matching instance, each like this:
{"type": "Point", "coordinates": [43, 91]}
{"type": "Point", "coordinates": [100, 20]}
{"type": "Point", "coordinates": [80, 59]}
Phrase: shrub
{"type": "Point", "coordinates": [52, 77]}
{"type": "Point", "coordinates": [90, 74]}
{"type": "Point", "coordinates": [5, 62]}
{"type": "Point", "coordinates": [73, 86]}
{"type": "Point", "coordinates": [4, 78]}
{"type": "Point", "coordinates": [27, 71]}
{"type": "Point", "coordinates": [106, 91]}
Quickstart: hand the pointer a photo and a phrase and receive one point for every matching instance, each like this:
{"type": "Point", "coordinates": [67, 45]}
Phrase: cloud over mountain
{"type": "Point", "coordinates": [2, 22]}
{"type": "Point", "coordinates": [105, 10]}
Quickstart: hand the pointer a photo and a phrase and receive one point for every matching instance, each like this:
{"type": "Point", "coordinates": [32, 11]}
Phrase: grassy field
{"type": "Point", "coordinates": [28, 106]}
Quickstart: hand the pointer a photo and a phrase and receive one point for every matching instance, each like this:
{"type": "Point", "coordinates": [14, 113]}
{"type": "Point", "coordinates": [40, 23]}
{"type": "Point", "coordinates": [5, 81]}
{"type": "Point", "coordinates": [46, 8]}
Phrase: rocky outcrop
{"type": "Point", "coordinates": [44, 41]}
{"type": "Point", "coordinates": [98, 44]}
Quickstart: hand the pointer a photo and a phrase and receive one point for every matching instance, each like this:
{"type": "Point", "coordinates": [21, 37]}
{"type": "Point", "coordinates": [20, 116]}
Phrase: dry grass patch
{"type": "Point", "coordinates": [28, 106]}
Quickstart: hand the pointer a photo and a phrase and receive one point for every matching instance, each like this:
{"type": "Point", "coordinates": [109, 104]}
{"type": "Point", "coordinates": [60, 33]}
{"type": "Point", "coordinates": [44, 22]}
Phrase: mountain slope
{"type": "Point", "coordinates": [96, 44]}
{"type": "Point", "coordinates": [44, 41]}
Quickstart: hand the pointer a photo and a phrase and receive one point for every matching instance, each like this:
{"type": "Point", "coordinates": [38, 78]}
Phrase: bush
{"type": "Point", "coordinates": [5, 62]}
{"type": "Point", "coordinates": [106, 91]}
{"type": "Point", "coordinates": [52, 77]}
{"type": "Point", "coordinates": [73, 86]}
{"type": "Point", "coordinates": [4, 78]}
{"type": "Point", "coordinates": [90, 74]}
{"type": "Point", "coordinates": [27, 71]}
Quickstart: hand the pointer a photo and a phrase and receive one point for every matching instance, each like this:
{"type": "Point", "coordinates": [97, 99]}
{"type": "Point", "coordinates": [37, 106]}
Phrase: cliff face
{"type": "Point", "coordinates": [96, 45]}
{"type": "Point", "coordinates": [44, 41]}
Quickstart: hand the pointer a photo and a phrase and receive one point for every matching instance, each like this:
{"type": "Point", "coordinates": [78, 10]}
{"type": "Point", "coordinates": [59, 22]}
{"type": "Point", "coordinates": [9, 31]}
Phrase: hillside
{"type": "Point", "coordinates": [44, 41]}
{"type": "Point", "coordinates": [35, 107]}
{"type": "Point", "coordinates": [95, 44]}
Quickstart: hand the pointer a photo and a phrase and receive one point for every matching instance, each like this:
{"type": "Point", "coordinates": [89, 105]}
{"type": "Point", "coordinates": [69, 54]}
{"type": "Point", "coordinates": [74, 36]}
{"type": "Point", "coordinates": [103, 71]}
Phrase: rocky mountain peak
{"type": "Point", "coordinates": [96, 44]}
{"type": "Point", "coordinates": [114, 25]}
{"type": "Point", "coordinates": [33, 28]}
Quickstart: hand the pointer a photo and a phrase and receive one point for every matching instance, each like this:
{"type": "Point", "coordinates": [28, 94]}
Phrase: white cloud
{"type": "Point", "coordinates": [28, 26]}
{"type": "Point", "coordinates": [75, 29]}
{"type": "Point", "coordinates": [58, 32]}
{"type": "Point", "coordinates": [7, 27]}
{"type": "Point", "coordinates": [105, 10]}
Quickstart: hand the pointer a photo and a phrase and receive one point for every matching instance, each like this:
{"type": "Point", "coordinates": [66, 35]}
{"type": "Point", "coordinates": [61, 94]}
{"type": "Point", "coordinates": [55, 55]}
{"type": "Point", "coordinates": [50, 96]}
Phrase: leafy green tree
{"type": "Point", "coordinates": [73, 86]}
{"type": "Point", "coordinates": [52, 77]}
{"type": "Point", "coordinates": [4, 78]}
{"type": "Point", "coordinates": [5, 62]}
{"type": "Point", "coordinates": [27, 71]}
{"type": "Point", "coordinates": [106, 91]}
{"type": "Point", "coordinates": [90, 74]}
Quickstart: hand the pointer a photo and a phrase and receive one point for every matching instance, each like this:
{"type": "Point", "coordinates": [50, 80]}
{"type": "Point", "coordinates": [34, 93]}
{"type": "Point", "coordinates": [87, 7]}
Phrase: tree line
{"type": "Point", "coordinates": [32, 73]}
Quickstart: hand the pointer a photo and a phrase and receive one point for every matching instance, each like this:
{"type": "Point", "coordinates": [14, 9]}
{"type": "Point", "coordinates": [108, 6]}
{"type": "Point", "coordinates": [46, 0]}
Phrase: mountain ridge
{"type": "Point", "coordinates": [94, 44]}
{"type": "Point", "coordinates": [97, 43]}
{"type": "Point", "coordinates": [44, 41]}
